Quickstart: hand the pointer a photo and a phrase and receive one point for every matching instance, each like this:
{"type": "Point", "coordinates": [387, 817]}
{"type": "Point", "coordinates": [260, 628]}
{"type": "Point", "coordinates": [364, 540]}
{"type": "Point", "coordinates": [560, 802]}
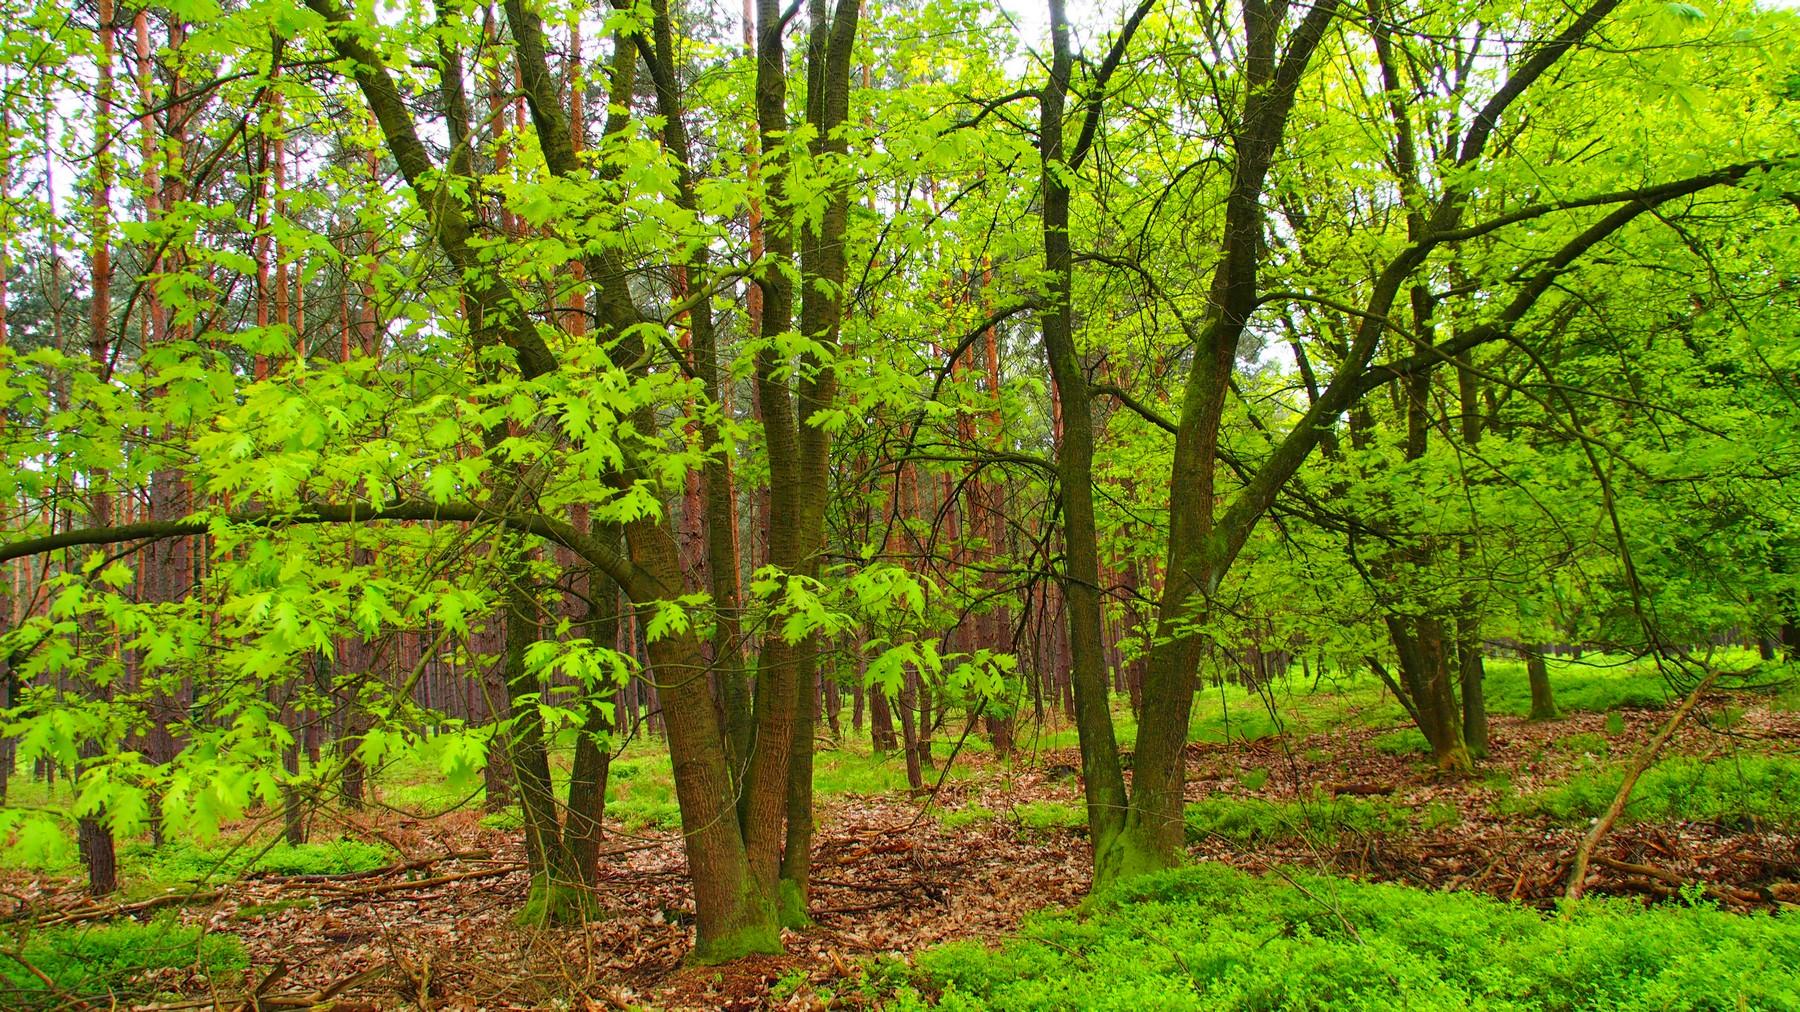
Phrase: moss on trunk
{"type": "Point", "coordinates": [555, 903]}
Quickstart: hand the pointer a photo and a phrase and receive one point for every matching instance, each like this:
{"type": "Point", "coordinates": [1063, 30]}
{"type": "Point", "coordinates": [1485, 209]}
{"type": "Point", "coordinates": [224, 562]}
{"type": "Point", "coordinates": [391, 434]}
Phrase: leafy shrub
{"type": "Point", "coordinates": [36, 841]}
{"type": "Point", "coordinates": [110, 960]}
{"type": "Point", "coordinates": [1253, 780]}
{"type": "Point", "coordinates": [1211, 937]}
{"type": "Point", "coordinates": [1737, 792]}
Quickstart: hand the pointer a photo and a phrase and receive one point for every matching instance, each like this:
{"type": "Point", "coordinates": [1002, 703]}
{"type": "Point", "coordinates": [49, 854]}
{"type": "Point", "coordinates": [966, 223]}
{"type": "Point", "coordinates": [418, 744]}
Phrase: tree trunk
{"type": "Point", "coordinates": [909, 731]}
{"type": "Point", "coordinates": [1473, 672]}
{"type": "Point", "coordinates": [881, 722]}
{"type": "Point", "coordinates": [583, 826]}
{"type": "Point", "coordinates": [293, 801]}
{"type": "Point", "coordinates": [95, 844]}
{"type": "Point", "coordinates": [1102, 777]}
{"type": "Point", "coordinates": [1425, 663]}
{"type": "Point", "coordinates": [1543, 701]}
{"type": "Point", "coordinates": [927, 721]}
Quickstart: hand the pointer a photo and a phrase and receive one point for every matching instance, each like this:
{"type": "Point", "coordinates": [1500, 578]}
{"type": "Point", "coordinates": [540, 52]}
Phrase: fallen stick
{"type": "Point", "coordinates": [1585, 852]}
{"type": "Point", "coordinates": [1359, 789]}
{"type": "Point", "coordinates": [90, 913]}
{"type": "Point", "coordinates": [1646, 870]}
{"type": "Point", "coordinates": [860, 909]}
{"type": "Point", "coordinates": [388, 869]}
{"type": "Point", "coordinates": [1664, 875]}
{"type": "Point", "coordinates": [338, 893]}
{"type": "Point", "coordinates": [323, 996]}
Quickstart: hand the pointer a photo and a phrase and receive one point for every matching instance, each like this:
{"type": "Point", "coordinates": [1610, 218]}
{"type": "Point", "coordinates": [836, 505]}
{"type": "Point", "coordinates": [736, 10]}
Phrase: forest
{"type": "Point", "coordinates": [900, 504]}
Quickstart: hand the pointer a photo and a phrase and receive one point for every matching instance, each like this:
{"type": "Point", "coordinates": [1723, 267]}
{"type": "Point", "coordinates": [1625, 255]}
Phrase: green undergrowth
{"type": "Point", "coordinates": [508, 819]}
{"type": "Point", "coordinates": [1584, 743]}
{"type": "Point", "coordinates": [146, 868]}
{"type": "Point", "coordinates": [1405, 741]}
{"type": "Point", "coordinates": [1321, 819]}
{"type": "Point", "coordinates": [1595, 684]}
{"type": "Point", "coordinates": [108, 963]}
{"type": "Point", "coordinates": [968, 815]}
{"type": "Point", "coordinates": [640, 791]}
{"type": "Point", "coordinates": [1242, 821]}
{"type": "Point", "coordinates": [641, 786]}
{"type": "Point", "coordinates": [1049, 816]}
{"type": "Point", "coordinates": [1213, 938]}
{"type": "Point", "coordinates": [180, 861]}
{"type": "Point", "coordinates": [1743, 791]}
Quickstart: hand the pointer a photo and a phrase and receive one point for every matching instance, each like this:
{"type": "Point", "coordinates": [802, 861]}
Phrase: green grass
{"type": "Point", "coordinates": [1740, 792]}
{"type": "Point", "coordinates": [1405, 741]}
{"type": "Point", "coordinates": [1049, 816]}
{"type": "Point", "coordinates": [1585, 743]}
{"type": "Point", "coordinates": [1212, 938]}
{"type": "Point", "coordinates": [1253, 820]}
{"type": "Point", "coordinates": [107, 962]}
{"type": "Point", "coordinates": [968, 815]}
{"type": "Point", "coordinates": [337, 857]}
{"type": "Point", "coordinates": [1234, 713]}
{"type": "Point", "coordinates": [1594, 685]}
{"type": "Point", "coordinates": [145, 867]}
{"type": "Point", "coordinates": [641, 791]}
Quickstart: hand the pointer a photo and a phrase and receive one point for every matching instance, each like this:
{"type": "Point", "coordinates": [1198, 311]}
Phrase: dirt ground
{"type": "Point", "coordinates": [437, 931]}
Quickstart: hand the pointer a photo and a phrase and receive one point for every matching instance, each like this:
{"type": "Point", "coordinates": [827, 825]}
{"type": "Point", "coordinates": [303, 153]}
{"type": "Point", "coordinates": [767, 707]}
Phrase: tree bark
{"type": "Point", "coordinates": [1543, 700]}
{"type": "Point", "coordinates": [1102, 777]}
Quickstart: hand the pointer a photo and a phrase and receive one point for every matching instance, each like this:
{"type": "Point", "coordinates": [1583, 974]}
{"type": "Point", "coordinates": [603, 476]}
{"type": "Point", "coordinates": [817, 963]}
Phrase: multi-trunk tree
{"type": "Point", "coordinates": [621, 371]}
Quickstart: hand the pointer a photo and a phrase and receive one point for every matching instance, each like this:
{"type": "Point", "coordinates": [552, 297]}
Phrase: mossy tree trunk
{"type": "Point", "coordinates": [1103, 779]}
{"type": "Point", "coordinates": [738, 861]}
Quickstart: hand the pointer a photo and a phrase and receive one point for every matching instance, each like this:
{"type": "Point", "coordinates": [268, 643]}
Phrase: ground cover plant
{"type": "Point", "coordinates": [1215, 938]}
{"type": "Point", "coordinates": [977, 859]}
{"type": "Point", "coordinates": [540, 503]}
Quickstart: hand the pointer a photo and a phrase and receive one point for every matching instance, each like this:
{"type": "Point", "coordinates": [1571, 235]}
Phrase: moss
{"type": "Point", "coordinates": [1404, 741]}
{"type": "Point", "coordinates": [968, 815]}
{"type": "Point", "coordinates": [791, 906]}
{"type": "Point", "coordinates": [555, 903]}
{"type": "Point", "coordinates": [1126, 855]}
{"type": "Point", "coordinates": [749, 940]}
{"type": "Point", "coordinates": [757, 931]}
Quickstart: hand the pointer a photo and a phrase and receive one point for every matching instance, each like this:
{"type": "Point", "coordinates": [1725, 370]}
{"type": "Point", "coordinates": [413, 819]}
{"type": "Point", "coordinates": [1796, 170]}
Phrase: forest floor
{"type": "Point", "coordinates": [994, 843]}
